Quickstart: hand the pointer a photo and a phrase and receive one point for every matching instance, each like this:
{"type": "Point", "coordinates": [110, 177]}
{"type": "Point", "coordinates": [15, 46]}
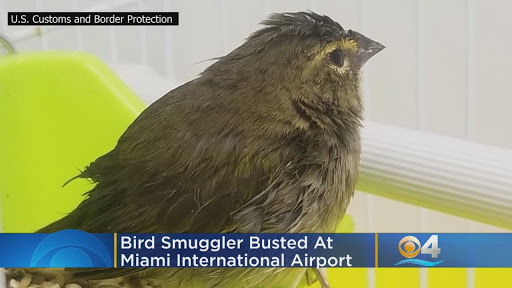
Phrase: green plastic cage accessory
{"type": "Point", "coordinates": [58, 112]}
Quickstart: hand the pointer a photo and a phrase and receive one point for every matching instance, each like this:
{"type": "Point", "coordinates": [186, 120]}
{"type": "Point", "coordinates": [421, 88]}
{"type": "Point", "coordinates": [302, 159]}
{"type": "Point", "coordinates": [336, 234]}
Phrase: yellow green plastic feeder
{"type": "Point", "coordinates": [58, 112]}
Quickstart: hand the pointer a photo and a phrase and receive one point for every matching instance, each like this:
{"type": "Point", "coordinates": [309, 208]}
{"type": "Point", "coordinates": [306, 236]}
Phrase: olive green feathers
{"type": "Point", "coordinates": [266, 139]}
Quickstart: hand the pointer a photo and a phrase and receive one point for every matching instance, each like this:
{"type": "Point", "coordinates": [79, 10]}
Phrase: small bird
{"type": "Point", "coordinates": [265, 140]}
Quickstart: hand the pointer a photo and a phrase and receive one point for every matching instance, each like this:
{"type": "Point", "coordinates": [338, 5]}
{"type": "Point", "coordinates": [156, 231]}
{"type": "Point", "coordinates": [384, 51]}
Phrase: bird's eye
{"type": "Point", "coordinates": [336, 57]}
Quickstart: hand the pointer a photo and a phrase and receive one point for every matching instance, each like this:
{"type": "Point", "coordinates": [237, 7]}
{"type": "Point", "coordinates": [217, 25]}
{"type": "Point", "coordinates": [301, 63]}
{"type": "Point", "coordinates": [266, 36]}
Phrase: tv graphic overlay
{"type": "Point", "coordinates": [92, 18]}
{"type": "Point", "coordinates": [245, 250]}
{"type": "Point", "coordinates": [66, 248]}
{"type": "Point", "coordinates": [78, 249]}
{"type": "Point", "coordinates": [418, 250]}
{"type": "Point", "coordinates": [409, 247]}
{"type": "Point", "coordinates": [457, 250]}
{"type": "Point", "coordinates": [73, 248]}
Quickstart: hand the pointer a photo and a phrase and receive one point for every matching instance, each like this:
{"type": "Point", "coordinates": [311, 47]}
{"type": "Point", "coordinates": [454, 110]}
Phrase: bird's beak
{"type": "Point", "coordinates": [367, 48]}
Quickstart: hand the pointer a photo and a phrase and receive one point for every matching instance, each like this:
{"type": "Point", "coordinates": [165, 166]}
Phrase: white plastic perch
{"type": "Point", "coordinates": [449, 175]}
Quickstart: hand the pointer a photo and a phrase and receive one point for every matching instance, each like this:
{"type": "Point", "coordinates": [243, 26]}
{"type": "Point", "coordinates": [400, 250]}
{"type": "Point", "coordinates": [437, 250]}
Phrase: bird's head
{"type": "Point", "coordinates": [303, 57]}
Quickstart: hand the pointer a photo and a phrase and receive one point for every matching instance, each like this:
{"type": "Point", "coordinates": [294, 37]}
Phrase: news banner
{"type": "Point", "coordinates": [74, 248]}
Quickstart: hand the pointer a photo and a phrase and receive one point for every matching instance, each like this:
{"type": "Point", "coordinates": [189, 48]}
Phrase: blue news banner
{"type": "Point", "coordinates": [73, 248]}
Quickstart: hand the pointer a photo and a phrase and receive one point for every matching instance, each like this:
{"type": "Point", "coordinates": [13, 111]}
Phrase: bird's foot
{"type": "Point", "coordinates": [320, 275]}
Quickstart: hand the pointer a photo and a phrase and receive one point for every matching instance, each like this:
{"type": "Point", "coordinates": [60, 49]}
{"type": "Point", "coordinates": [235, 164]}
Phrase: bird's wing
{"type": "Point", "coordinates": [182, 166]}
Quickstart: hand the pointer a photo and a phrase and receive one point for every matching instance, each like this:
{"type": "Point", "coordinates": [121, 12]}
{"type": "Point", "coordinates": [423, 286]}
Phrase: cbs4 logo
{"type": "Point", "coordinates": [409, 247]}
